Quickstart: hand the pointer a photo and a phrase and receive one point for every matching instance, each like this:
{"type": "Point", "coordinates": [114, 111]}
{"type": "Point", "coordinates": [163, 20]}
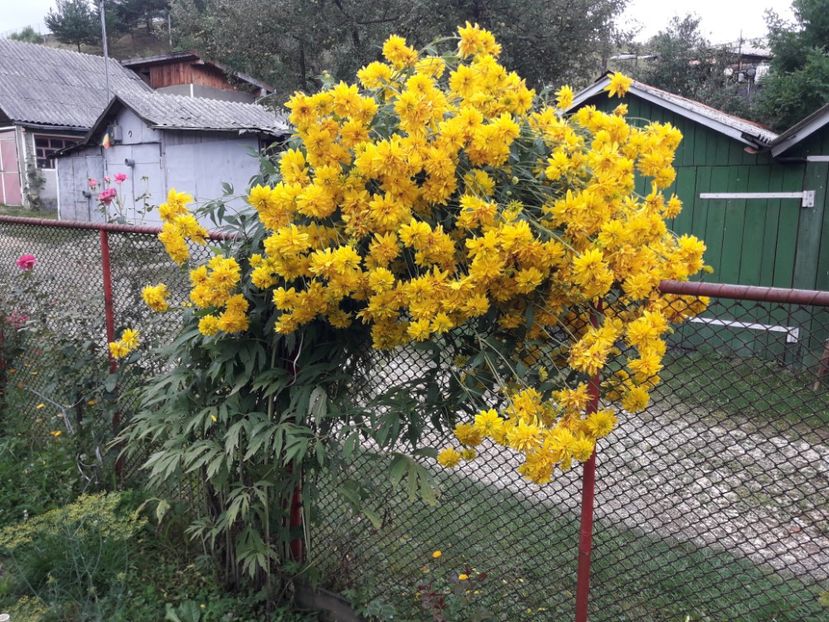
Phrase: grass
{"type": "Point", "coordinates": [760, 390]}
{"type": "Point", "coordinates": [6, 210]}
{"type": "Point", "coordinates": [528, 550]}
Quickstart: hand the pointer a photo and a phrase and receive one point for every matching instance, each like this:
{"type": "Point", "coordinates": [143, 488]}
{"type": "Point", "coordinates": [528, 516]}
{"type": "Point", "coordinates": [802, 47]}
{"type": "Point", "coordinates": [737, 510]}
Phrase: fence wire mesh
{"type": "Point", "coordinates": [712, 504]}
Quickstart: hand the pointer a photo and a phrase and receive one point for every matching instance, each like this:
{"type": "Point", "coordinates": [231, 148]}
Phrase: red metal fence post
{"type": "Point", "coordinates": [109, 317]}
{"type": "Point", "coordinates": [295, 523]}
{"type": "Point", "coordinates": [588, 486]}
{"type": "Point", "coordinates": [109, 311]}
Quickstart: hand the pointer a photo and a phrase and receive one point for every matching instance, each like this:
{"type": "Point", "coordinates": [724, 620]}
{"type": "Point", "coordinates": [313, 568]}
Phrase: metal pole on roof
{"type": "Point", "coordinates": [106, 49]}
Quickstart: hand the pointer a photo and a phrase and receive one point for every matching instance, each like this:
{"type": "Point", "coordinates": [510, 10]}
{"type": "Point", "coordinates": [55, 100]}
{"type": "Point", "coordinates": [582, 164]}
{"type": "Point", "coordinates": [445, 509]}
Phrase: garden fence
{"type": "Point", "coordinates": [712, 504]}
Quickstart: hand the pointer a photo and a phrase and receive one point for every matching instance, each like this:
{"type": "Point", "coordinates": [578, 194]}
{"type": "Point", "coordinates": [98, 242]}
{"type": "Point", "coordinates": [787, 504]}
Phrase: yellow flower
{"type": "Point", "coordinates": [463, 576]}
{"type": "Point", "coordinates": [398, 53]}
{"type": "Point", "coordinates": [129, 337]}
{"type": "Point", "coordinates": [127, 344]}
{"type": "Point", "coordinates": [601, 423]}
{"type": "Point", "coordinates": [564, 97]}
{"type": "Point", "coordinates": [475, 40]}
{"type": "Point", "coordinates": [209, 325]}
{"type": "Point", "coordinates": [155, 297]}
{"type": "Point", "coordinates": [618, 85]}
{"type": "Point", "coordinates": [449, 457]}
{"type": "Point", "coordinates": [437, 554]}
{"type": "Point", "coordinates": [56, 433]}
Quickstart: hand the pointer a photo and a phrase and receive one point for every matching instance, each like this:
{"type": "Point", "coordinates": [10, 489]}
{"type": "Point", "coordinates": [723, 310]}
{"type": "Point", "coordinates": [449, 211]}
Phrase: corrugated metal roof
{"type": "Point", "coordinates": [197, 113]}
{"type": "Point", "coordinates": [801, 130]}
{"type": "Point", "coordinates": [40, 85]}
{"type": "Point", "coordinates": [743, 130]}
{"type": "Point", "coordinates": [748, 127]}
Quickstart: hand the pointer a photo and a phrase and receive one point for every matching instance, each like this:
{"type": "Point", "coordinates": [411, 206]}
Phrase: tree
{"type": "Point", "coordinates": [516, 284]}
{"type": "Point", "coordinates": [290, 43]}
{"type": "Point", "coordinates": [798, 83]}
{"type": "Point", "coordinates": [678, 50]}
{"type": "Point", "coordinates": [27, 35]}
{"type": "Point", "coordinates": [129, 14]}
{"type": "Point", "coordinates": [74, 22]}
{"type": "Point", "coordinates": [684, 62]}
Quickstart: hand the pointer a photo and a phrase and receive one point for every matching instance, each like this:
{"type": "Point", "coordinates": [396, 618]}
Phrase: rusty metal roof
{"type": "Point", "coordinates": [47, 86]}
{"type": "Point", "coordinates": [743, 130]}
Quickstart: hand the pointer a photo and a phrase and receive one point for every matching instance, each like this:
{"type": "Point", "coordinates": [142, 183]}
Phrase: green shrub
{"type": "Point", "coordinates": [71, 558]}
{"type": "Point", "coordinates": [35, 478]}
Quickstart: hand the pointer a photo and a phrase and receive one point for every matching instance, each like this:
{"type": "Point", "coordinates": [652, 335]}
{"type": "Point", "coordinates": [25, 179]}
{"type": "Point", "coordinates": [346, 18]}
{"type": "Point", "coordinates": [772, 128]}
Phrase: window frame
{"type": "Point", "coordinates": [44, 155]}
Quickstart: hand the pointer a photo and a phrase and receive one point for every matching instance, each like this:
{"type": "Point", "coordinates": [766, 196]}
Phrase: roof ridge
{"type": "Point", "coordinates": [743, 130]}
{"type": "Point", "coordinates": [696, 102]}
{"type": "Point", "coordinates": [189, 99]}
{"type": "Point", "coordinates": [60, 50]}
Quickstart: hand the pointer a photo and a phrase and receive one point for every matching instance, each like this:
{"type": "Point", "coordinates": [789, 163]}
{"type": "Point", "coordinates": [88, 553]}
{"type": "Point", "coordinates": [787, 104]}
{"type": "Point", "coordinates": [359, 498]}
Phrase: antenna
{"type": "Point", "coordinates": [106, 50]}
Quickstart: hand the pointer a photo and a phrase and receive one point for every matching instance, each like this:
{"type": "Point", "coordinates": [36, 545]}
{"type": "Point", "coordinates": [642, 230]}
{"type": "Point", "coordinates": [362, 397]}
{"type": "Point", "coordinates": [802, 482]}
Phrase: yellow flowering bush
{"type": "Point", "coordinates": [442, 209]}
{"type": "Point", "coordinates": [441, 200]}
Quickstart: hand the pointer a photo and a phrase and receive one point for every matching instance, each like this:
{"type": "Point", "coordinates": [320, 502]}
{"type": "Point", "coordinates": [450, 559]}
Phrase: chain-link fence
{"type": "Point", "coordinates": [712, 504]}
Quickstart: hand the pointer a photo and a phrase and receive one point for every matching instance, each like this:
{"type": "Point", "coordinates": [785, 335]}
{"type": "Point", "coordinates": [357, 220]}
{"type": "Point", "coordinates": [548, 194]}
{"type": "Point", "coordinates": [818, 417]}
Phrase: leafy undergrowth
{"type": "Point", "coordinates": [97, 558]}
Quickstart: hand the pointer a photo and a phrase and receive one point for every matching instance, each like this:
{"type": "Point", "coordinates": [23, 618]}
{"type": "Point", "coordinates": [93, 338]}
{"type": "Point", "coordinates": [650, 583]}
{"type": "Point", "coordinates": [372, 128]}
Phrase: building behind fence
{"type": "Point", "coordinates": [712, 504]}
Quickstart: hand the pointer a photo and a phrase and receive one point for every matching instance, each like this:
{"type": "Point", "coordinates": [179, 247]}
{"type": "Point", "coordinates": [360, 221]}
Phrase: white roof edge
{"type": "Point", "coordinates": [790, 140]}
{"type": "Point", "coordinates": [723, 128]}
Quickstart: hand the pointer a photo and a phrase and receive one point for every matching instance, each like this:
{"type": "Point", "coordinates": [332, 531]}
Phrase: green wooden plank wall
{"type": "Point", "coordinates": [770, 242]}
{"type": "Point", "coordinates": [753, 242]}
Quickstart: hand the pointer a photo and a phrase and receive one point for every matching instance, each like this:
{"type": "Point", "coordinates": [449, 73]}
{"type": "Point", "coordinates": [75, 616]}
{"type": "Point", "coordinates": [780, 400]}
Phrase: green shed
{"type": "Point", "coordinates": [757, 199]}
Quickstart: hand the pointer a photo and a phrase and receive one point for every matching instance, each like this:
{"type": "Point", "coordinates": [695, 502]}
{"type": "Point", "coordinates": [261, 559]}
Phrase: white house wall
{"type": "Point", "coordinates": [200, 163]}
{"type": "Point", "coordinates": [77, 202]}
{"type": "Point", "coordinates": [134, 130]}
{"type": "Point", "coordinates": [154, 161]}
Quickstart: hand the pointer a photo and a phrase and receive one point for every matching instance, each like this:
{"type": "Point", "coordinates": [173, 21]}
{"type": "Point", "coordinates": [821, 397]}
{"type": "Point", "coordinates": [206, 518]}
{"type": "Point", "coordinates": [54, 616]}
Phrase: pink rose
{"type": "Point", "coordinates": [120, 178]}
{"type": "Point", "coordinates": [92, 183]}
{"type": "Point", "coordinates": [107, 178]}
{"type": "Point", "coordinates": [26, 262]}
{"type": "Point", "coordinates": [17, 320]}
{"type": "Point", "coordinates": [106, 196]}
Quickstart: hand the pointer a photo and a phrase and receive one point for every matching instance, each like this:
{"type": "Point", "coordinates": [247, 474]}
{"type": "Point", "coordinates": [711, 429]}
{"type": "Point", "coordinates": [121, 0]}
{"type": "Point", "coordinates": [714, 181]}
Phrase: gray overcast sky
{"type": "Point", "coordinates": [722, 20]}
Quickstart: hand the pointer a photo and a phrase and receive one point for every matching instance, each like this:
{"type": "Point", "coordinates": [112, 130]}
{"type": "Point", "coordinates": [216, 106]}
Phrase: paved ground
{"type": "Point", "coordinates": [666, 473]}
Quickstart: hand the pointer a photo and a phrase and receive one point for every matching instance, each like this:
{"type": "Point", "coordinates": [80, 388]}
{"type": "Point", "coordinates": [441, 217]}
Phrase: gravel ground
{"type": "Point", "coordinates": [674, 476]}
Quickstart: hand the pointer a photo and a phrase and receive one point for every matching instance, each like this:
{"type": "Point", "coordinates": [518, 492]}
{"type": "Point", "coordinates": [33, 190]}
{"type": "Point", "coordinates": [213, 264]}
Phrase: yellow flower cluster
{"type": "Point", "coordinates": [155, 297]}
{"type": "Point", "coordinates": [436, 195]}
{"type": "Point", "coordinates": [212, 288]}
{"type": "Point", "coordinates": [125, 345]}
{"type": "Point", "coordinates": [179, 226]}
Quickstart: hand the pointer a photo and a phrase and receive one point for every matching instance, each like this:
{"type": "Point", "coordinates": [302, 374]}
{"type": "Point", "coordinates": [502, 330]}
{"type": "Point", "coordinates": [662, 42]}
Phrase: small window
{"type": "Point", "coordinates": [46, 146]}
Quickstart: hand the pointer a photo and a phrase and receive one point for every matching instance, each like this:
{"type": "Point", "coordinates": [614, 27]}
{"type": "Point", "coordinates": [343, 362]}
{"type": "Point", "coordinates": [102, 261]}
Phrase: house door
{"type": "Point", "coordinates": [10, 193]}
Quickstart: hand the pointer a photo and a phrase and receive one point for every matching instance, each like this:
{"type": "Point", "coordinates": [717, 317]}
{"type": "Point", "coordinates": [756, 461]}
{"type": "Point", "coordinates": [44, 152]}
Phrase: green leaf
{"type": "Point", "coordinates": [397, 469]}
{"type": "Point", "coordinates": [318, 404]}
{"type": "Point", "coordinates": [374, 517]}
{"type": "Point", "coordinates": [161, 509]}
{"type": "Point", "coordinates": [350, 444]}
{"type": "Point", "coordinates": [426, 452]}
